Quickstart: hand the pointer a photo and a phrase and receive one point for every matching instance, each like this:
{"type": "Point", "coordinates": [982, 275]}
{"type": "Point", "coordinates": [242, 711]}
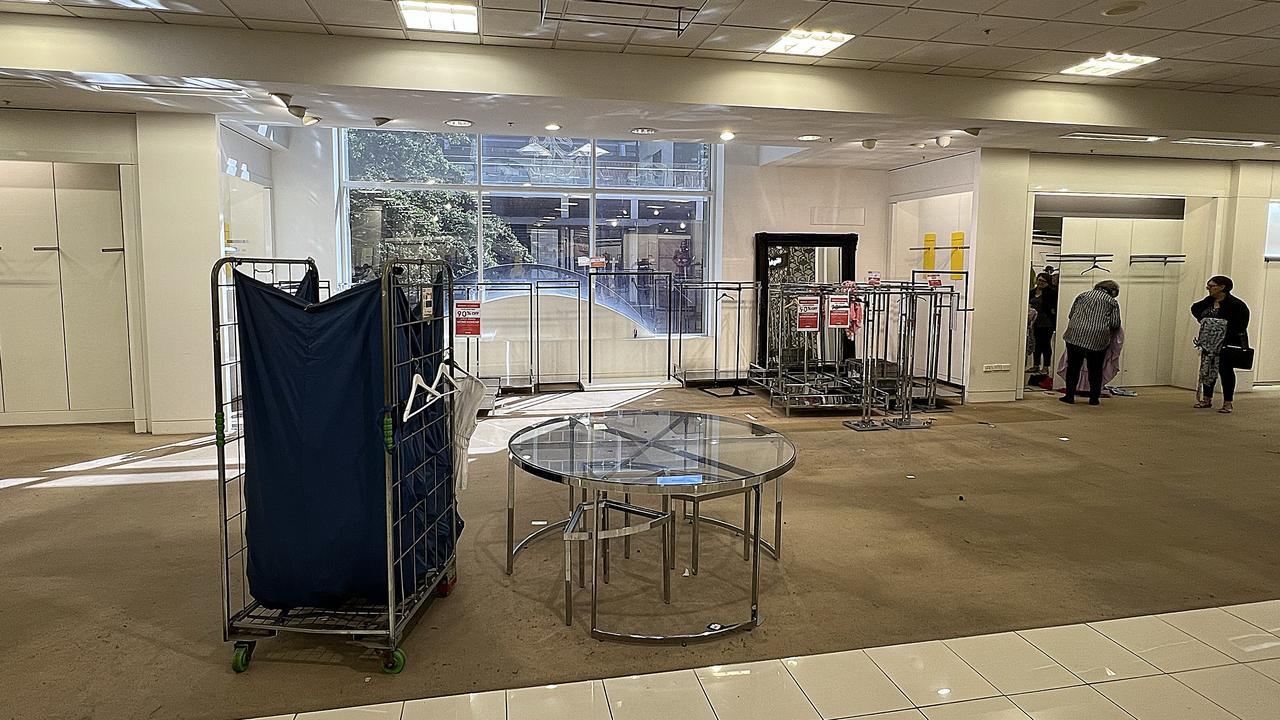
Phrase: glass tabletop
{"type": "Point", "coordinates": [654, 451]}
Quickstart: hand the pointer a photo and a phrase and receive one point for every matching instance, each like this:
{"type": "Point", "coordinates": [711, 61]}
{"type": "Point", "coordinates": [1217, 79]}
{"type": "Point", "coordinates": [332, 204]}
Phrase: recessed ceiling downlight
{"type": "Point", "coordinates": [458, 122]}
{"type": "Point", "coordinates": [809, 138]}
{"type": "Point", "coordinates": [1124, 8]}
{"type": "Point", "coordinates": [1109, 64]}
{"type": "Point", "coordinates": [808, 42]}
{"type": "Point", "coordinates": [440, 16]}
{"type": "Point", "coordinates": [644, 131]}
{"type": "Point", "coordinates": [1112, 137]}
{"type": "Point", "coordinates": [1221, 142]}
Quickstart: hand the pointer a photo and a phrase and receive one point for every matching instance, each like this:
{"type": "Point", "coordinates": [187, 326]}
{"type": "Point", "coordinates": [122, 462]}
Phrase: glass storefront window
{"type": "Point", "coordinates": [658, 164]}
{"type": "Point", "coordinates": [399, 156]}
{"type": "Point", "coordinates": [551, 231]}
{"type": "Point", "coordinates": [411, 225]}
{"type": "Point", "coordinates": [533, 160]}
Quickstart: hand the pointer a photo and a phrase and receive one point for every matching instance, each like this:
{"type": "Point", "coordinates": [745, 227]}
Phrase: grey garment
{"type": "Point", "coordinates": [466, 407]}
{"type": "Point", "coordinates": [1212, 336]}
{"type": "Point", "coordinates": [1094, 318]}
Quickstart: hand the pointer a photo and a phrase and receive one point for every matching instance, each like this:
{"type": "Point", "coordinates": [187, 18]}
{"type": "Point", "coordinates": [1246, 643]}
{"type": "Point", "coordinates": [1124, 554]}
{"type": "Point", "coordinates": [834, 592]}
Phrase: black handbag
{"type": "Point", "coordinates": [1237, 358]}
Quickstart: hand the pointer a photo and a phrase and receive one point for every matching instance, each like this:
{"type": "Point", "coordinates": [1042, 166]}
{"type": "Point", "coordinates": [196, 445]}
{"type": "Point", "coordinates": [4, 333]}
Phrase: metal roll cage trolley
{"type": "Point", "coordinates": [714, 380]}
{"type": "Point", "coordinates": [888, 370]}
{"type": "Point", "coordinates": [379, 626]}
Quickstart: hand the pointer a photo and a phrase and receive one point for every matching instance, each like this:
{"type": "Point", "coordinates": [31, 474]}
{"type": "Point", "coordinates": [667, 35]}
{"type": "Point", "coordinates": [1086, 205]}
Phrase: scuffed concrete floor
{"type": "Point", "coordinates": [110, 604]}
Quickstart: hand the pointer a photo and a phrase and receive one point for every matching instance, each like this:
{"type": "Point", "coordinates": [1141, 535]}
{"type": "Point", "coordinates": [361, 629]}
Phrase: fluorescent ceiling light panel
{"type": "Point", "coordinates": [195, 90]}
{"type": "Point", "coordinates": [1112, 137]}
{"type": "Point", "coordinates": [440, 16]}
{"type": "Point", "coordinates": [811, 43]}
{"type": "Point", "coordinates": [1221, 142]}
{"type": "Point", "coordinates": [1109, 64]}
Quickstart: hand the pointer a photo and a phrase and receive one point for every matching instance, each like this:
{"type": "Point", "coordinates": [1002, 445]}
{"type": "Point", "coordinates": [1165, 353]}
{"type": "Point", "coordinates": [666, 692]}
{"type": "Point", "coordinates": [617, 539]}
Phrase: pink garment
{"type": "Point", "coordinates": [1110, 365]}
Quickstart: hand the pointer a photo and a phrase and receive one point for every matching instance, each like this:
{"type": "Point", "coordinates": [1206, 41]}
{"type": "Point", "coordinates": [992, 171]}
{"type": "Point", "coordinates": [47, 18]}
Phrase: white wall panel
{"type": "Point", "coordinates": [91, 236]}
{"type": "Point", "coordinates": [1267, 327]}
{"type": "Point", "coordinates": [31, 331]}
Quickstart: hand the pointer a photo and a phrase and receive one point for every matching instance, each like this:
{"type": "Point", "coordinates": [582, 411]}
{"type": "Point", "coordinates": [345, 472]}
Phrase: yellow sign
{"type": "Point", "coordinates": [957, 256]}
{"type": "Point", "coordinates": [930, 251]}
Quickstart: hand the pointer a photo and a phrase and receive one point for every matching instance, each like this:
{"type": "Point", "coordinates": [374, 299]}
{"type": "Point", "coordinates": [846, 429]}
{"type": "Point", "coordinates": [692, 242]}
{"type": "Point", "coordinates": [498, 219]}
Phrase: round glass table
{"type": "Point", "coordinates": [606, 458]}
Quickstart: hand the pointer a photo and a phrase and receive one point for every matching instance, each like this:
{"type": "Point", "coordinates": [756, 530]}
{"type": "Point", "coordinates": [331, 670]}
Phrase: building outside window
{"type": "Point", "coordinates": [500, 207]}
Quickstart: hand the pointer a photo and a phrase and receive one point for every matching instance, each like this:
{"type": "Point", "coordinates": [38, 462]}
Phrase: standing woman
{"type": "Point", "coordinates": [1222, 305]}
{"type": "Point", "coordinates": [1044, 300]}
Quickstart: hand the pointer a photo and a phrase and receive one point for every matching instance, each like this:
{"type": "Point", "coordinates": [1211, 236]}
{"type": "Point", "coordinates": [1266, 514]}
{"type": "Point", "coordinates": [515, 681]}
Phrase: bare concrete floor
{"type": "Point", "coordinates": [110, 601]}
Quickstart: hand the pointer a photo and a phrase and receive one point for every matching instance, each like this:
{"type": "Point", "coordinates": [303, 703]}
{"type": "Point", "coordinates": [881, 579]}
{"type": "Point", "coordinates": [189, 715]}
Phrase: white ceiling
{"type": "Point", "coordinates": [1206, 45]}
{"type": "Point", "coordinates": [579, 117]}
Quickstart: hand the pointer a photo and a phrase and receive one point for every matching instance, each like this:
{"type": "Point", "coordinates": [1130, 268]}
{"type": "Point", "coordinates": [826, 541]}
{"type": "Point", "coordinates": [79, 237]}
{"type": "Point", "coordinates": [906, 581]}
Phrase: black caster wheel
{"type": "Point", "coordinates": [241, 656]}
{"type": "Point", "coordinates": [393, 662]}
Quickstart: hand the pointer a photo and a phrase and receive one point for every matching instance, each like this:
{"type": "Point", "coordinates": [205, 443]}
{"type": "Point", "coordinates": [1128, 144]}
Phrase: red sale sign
{"type": "Point", "coordinates": [837, 311]}
{"type": "Point", "coordinates": [808, 309]}
{"type": "Point", "coordinates": [466, 318]}
{"type": "Point", "coordinates": [935, 280]}
{"type": "Point", "coordinates": [873, 278]}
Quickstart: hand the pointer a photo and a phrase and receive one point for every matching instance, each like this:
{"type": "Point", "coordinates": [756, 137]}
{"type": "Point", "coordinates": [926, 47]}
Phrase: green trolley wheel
{"type": "Point", "coordinates": [393, 662]}
{"type": "Point", "coordinates": [241, 656]}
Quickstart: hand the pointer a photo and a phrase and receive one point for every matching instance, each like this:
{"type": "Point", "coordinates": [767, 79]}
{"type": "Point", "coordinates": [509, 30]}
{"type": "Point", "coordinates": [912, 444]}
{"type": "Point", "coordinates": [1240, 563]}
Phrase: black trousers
{"type": "Point", "coordinates": [1043, 346]}
{"type": "Point", "coordinates": [1077, 356]}
{"type": "Point", "coordinates": [1228, 375]}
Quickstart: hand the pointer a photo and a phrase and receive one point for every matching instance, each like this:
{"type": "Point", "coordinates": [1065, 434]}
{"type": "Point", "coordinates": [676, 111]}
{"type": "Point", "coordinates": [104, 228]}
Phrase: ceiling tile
{"type": "Point", "coordinates": [692, 37]}
{"type": "Point", "coordinates": [588, 46]}
{"type": "Point", "coordinates": [516, 23]}
{"type": "Point", "coordinates": [905, 68]}
{"type": "Point", "coordinates": [842, 63]}
{"type": "Point", "coordinates": [1268, 76]}
{"type": "Point", "coordinates": [656, 50]}
{"type": "Point", "coordinates": [740, 39]}
{"type": "Point", "coordinates": [32, 8]}
{"type": "Point", "coordinates": [1052, 35]}
{"type": "Point", "coordinates": [1065, 79]}
{"type": "Point", "coordinates": [1266, 57]}
{"type": "Point", "coordinates": [785, 59]}
{"type": "Point", "coordinates": [205, 20]}
{"type": "Point", "coordinates": [1234, 48]}
{"type": "Point", "coordinates": [961, 72]}
{"type": "Point", "coordinates": [284, 26]}
{"type": "Point", "coordinates": [291, 10]}
{"type": "Point", "coordinates": [1015, 75]}
{"type": "Point", "coordinates": [518, 41]}
{"type": "Point", "coordinates": [1190, 13]}
{"type": "Point", "coordinates": [1261, 16]}
{"type": "Point", "coordinates": [373, 32]}
{"type": "Point", "coordinates": [449, 37]}
{"type": "Point", "coordinates": [1050, 62]}
{"type": "Point", "coordinates": [778, 14]}
{"type": "Point", "coordinates": [594, 33]}
{"type": "Point", "coordinates": [851, 18]}
{"type": "Point", "coordinates": [724, 54]}
{"type": "Point", "coordinates": [996, 58]}
{"type": "Point", "coordinates": [1115, 39]}
{"type": "Point", "coordinates": [1266, 91]}
{"type": "Point", "coordinates": [527, 5]}
{"type": "Point", "coordinates": [715, 11]}
{"type": "Point", "coordinates": [584, 8]}
{"type": "Point", "coordinates": [931, 53]}
{"type": "Point", "coordinates": [872, 48]}
{"type": "Point", "coordinates": [1216, 88]}
{"type": "Point", "coordinates": [1166, 85]}
{"type": "Point", "coordinates": [1177, 44]}
{"type": "Point", "coordinates": [113, 14]}
{"type": "Point", "coordinates": [1037, 9]}
{"type": "Point", "coordinates": [211, 7]}
{"type": "Point", "coordinates": [987, 30]}
{"type": "Point", "coordinates": [1092, 12]}
{"type": "Point", "coordinates": [918, 24]}
{"type": "Point", "coordinates": [362, 13]}
{"type": "Point", "coordinates": [968, 6]}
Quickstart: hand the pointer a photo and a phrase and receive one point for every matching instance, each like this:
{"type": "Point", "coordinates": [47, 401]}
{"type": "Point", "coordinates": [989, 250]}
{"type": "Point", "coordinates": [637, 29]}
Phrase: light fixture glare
{"type": "Point", "coordinates": [1109, 64]}
{"type": "Point", "coordinates": [1221, 142]}
{"type": "Point", "coordinates": [809, 42]}
{"type": "Point", "coordinates": [644, 131]}
{"type": "Point", "coordinates": [458, 122]}
{"type": "Point", "coordinates": [1112, 137]}
{"type": "Point", "coordinates": [439, 16]}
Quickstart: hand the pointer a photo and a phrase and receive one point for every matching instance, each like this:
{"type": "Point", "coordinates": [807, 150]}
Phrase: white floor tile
{"type": "Point", "coordinates": [897, 715]}
{"type": "Point", "coordinates": [276, 717]}
{"type": "Point", "coordinates": [1226, 633]}
{"type": "Point", "coordinates": [1161, 644]}
{"type": "Point", "coordinates": [1092, 656]}
{"type": "Point", "coordinates": [1012, 664]}
{"type": "Point", "coordinates": [929, 673]}
{"type": "Point", "coordinates": [1270, 668]}
{"type": "Point", "coordinates": [1241, 690]}
{"type": "Point", "coordinates": [1161, 698]}
{"type": "Point", "coordinates": [755, 691]}
{"type": "Point", "coordinates": [579, 701]}
{"type": "Point", "coordinates": [845, 684]}
{"type": "Point", "coordinates": [1265, 615]}
{"type": "Point", "coordinates": [1074, 703]}
{"type": "Point", "coordinates": [472, 706]}
{"type": "Point", "coordinates": [665, 695]}
{"type": "Point", "coordinates": [385, 711]}
{"type": "Point", "coordinates": [989, 709]}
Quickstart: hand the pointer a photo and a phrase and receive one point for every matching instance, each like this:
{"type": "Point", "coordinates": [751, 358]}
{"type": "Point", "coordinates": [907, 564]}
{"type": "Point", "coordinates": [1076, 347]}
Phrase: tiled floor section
{"type": "Point", "coordinates": [1216, 664]}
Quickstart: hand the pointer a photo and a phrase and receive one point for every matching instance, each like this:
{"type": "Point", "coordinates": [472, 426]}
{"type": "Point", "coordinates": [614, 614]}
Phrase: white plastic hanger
{"type": "Point", "coordinates": [432, 391]}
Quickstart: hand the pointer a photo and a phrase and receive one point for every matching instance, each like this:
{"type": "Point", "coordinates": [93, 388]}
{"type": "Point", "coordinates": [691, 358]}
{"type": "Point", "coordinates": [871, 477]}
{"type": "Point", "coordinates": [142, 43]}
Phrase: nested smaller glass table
{"type": "Point", "coordinates": [670, 454]}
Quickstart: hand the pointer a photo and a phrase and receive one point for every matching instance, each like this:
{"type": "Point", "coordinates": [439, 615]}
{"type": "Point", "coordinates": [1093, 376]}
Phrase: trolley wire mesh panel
{"type": "Point", "coordinates": [420, 509]}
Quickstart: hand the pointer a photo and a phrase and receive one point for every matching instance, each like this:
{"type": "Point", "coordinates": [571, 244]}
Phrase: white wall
{"type": "Point", "coordinates": [307, 203]}
{"type": "Point", "coordinates": [68, 136]}
{"type": "Point", "coordinates": [178, 180]}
